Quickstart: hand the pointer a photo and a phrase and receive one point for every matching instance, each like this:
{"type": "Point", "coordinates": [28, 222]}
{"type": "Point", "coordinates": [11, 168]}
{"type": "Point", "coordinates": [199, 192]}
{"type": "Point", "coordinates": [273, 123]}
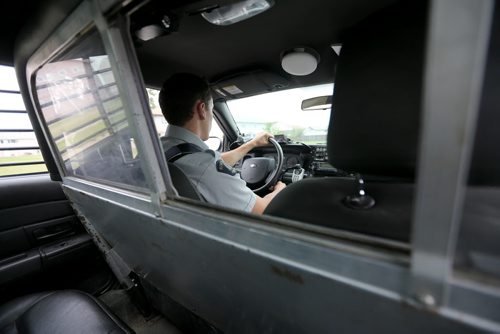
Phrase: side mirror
{"type": "Point", "coordinates": [317, 103]}
{"type": "Point", "coordinates": [237, 143]}
{"type": "Point", "coordinates": [214, 143]}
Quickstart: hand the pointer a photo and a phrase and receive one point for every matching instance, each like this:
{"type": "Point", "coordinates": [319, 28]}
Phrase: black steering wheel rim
{"type": "Point", "coordinates": [273, 176]}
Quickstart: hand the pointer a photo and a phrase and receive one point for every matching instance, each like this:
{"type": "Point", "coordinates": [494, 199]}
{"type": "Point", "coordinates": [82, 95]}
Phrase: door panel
{"type": "Point", "coordinates": [42, 243]}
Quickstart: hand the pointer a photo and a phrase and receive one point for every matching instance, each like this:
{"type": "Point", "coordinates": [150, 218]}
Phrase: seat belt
{"type": "Point", "coordinates": [173, 154]}
{"type": "Point", "coordinates": [178, 151]}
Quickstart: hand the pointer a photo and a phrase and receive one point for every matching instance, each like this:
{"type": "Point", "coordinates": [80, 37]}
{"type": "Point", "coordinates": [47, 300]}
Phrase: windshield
{"type": "Point", "coordinates": [281, 113]}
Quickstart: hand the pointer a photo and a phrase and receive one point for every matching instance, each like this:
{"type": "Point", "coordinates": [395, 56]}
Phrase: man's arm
{"type": "Point", "coordinates": [233, 156]}
{"type": "Point", "coordinates": [262, 202]}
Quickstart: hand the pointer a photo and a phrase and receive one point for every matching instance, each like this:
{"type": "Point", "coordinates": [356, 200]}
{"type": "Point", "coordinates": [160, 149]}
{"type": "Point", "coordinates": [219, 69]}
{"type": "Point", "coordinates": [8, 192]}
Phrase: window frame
{"type": "Point", "coordinates": [86, 17]}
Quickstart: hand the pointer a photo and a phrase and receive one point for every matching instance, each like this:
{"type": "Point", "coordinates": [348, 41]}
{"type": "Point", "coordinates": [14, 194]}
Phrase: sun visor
{"type": "Point", "coordinates": [248, 84]}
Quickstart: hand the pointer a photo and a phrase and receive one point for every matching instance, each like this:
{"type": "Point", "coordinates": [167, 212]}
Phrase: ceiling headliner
{"type": "Point", "coordinates": [218, 51]}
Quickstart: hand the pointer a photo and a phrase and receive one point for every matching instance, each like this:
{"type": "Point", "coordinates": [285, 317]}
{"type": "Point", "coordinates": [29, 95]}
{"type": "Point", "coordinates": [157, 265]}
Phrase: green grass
{"type": "Point", "coordinates": [65, 125]}
{"type": "Point", "coordinates": [118, 117]}
{"type": "Point", "coordinates": [21, 158]}
{"type": "Point", "coordinates": [84, 133]}
{"type": "Point", "coordinates": [74, 121]}
{"type": "Point", "coordinates": [17, 170]}
{"type": "Point", "coordinates": [113, 105]}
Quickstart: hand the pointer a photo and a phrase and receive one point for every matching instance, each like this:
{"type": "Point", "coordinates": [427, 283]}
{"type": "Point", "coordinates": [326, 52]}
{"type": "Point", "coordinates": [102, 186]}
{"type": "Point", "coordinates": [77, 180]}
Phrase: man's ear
{"type": "Point", "coordinates": [200, 109]}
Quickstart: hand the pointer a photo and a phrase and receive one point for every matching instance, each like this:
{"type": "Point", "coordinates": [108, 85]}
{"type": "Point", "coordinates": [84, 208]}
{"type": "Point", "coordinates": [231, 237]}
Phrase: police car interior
{"type": "Point", "coordinates": [383, 115]}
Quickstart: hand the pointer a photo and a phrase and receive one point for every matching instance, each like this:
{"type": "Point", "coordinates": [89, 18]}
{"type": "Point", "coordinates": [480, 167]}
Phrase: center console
{"type": "Point", "coordinates": [320, 164]}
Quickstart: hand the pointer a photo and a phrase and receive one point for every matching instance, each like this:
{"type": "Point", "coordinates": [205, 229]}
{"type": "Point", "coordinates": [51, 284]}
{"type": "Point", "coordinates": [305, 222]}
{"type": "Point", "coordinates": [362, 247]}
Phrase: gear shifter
{"type": "Point", "coordinates": [297, 174]}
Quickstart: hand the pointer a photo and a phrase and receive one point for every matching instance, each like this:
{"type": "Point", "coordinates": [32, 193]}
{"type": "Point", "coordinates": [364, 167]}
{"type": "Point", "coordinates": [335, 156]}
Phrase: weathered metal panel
{"type": "Point", "coordinates": [235, 278]}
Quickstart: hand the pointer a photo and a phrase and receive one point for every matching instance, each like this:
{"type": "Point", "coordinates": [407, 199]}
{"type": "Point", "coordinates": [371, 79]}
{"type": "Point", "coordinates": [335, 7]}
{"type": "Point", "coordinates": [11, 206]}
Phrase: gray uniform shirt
{"type": "Point", "coordinates": [218, 183]}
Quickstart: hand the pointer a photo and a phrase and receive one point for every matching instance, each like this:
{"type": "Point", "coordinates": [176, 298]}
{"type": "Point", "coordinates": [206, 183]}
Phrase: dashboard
{"type": "Point", "coordinates": [290, 159]}
{"type": "Point", "coordinates": [312, 158]}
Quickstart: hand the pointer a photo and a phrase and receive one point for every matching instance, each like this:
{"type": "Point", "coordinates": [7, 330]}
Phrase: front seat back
{"type": "Point", "coordinates": [182, 183]}
{"type": "Point", "coordinates": [373, 130]}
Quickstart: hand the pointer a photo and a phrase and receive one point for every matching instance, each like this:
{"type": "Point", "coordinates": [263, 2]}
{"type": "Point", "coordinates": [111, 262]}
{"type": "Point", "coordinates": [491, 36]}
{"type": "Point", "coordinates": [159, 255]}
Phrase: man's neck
{"type": "Point", "coordinates": [193, 127]}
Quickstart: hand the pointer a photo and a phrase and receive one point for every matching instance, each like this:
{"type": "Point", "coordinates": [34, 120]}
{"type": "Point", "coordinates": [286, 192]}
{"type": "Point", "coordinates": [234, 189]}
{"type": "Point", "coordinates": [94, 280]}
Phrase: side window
{"type": "Point", "coordinates": [84, 112]}
{"type": "Point", "coordinates": [161, 123]}
{"type": "Point", "coordinates": [19, 150]}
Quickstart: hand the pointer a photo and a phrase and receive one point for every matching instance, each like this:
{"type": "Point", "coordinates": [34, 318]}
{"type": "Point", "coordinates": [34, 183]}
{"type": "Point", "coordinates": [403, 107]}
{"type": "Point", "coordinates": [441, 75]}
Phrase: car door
{"type": "Point", "coordinates": [42, 243]}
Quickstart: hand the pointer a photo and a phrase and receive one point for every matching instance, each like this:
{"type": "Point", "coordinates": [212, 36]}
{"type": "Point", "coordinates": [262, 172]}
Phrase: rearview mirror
{"type": "Point", "coordinates": [317, 103]}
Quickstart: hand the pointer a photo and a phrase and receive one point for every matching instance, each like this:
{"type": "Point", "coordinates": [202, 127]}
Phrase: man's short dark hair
{"type": "Point", "coordinates": [179, 94]}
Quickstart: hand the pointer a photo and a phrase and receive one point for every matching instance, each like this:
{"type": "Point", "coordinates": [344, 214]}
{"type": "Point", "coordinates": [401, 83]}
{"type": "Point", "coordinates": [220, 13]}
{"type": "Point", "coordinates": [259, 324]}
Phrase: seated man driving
{"type": "Point", "coordinates": [187, 104]}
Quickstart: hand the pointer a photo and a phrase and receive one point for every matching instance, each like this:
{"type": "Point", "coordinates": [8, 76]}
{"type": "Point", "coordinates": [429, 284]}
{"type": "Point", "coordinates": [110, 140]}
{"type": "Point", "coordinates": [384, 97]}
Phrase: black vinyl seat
{"type": "Point", "coordinates": [59, 312]}
{"type": "Point", "coordinates": [184, 186]}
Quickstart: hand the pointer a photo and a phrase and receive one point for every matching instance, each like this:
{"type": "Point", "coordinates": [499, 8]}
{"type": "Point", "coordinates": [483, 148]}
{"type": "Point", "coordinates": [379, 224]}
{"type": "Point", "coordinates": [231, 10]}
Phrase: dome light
{"type": "Point", "coordinates": [229, 14]}
{"type": "Point", "coordinates": [300, 61]}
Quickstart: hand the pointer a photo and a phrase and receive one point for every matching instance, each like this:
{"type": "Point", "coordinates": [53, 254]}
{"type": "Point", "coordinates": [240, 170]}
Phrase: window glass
{"type": "Point", "coordinates": [11, 121]}
{"type": "Point", "coordinates": [280, 113]}
{"type": "Point", "coordinates": [8, 80]}
{"type": "Point", "coordinates": [85, 115]}
{"type": "Point", "coordinates": [11, 100]}
{"type": "Point", "coordinates": [478, 244]}
{"type": "Point", "coordinates": [19, 152]}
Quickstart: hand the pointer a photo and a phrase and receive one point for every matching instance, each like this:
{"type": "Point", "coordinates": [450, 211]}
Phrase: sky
{"type": "Point", "coordinates": [8, 81]}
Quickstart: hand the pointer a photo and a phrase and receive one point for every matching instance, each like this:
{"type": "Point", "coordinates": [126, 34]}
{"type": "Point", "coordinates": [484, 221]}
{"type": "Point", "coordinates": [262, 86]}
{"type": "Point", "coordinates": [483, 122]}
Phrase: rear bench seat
{"type": "Point", "coordinates": [58, 312]}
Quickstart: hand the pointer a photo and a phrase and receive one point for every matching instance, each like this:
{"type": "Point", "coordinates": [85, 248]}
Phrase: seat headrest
{"type": "Point", "coordinates": [375, 120]}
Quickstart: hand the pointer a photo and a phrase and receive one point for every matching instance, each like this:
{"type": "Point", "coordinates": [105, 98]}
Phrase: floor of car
{"type": "Point", "coordinates": [121, 305]}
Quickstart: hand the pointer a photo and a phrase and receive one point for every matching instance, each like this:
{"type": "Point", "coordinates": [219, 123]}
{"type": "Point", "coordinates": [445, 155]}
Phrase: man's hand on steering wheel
{"type": "Point", "coordinates": [278, 186]}
{"type": "Point", "coordinates": [261, 139]}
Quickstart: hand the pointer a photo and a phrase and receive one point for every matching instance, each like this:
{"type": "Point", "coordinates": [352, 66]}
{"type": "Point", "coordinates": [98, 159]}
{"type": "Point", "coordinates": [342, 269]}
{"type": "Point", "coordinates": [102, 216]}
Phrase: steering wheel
{"type": "Point", "coordinates": [261, 173]}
